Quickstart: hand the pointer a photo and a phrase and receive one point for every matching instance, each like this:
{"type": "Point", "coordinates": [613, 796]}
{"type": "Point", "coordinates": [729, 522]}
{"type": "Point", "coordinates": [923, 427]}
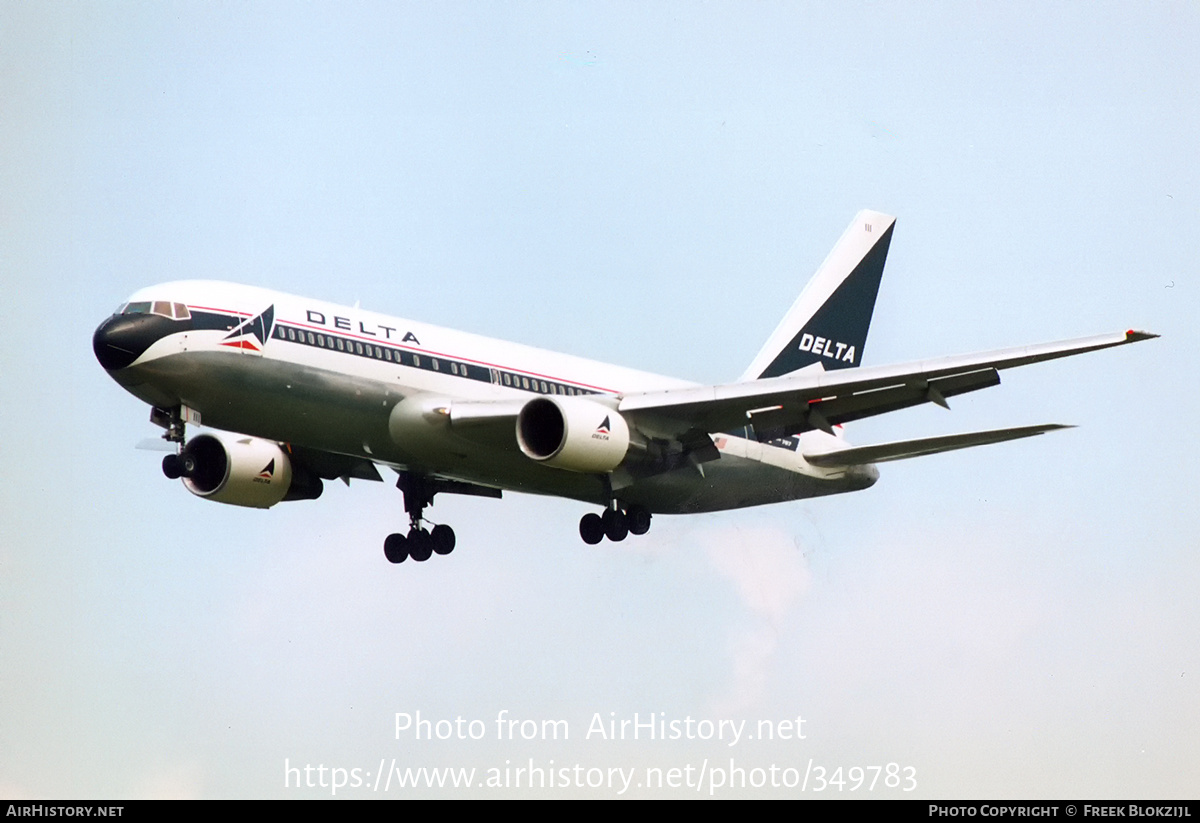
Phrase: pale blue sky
{"type": "Point", "coordinates": [650, 186]}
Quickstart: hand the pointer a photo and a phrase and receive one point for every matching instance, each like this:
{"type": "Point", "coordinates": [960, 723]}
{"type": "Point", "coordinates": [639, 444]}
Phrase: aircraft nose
{"type": "Point", "coordinates": [122, 338]}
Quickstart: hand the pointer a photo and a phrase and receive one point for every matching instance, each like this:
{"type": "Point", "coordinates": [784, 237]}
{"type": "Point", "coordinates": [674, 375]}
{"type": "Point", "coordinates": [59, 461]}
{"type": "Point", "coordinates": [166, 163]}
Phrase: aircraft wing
{"type": "Point", "coordinates": [815, 399]}
{"type": "Point", "coordinates": [330, 466]}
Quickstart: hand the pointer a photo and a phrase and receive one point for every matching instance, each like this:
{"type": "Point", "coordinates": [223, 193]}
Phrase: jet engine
{"type": "Point", "coordinates": [573, 433]}
{"type": "Point", "coordinates": [241, 471]}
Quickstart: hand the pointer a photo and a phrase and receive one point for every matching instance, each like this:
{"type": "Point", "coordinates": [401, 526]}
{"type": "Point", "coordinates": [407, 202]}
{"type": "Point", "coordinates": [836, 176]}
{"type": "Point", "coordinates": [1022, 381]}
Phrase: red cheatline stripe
{"type": "Point", "coordinates": [375, 340]}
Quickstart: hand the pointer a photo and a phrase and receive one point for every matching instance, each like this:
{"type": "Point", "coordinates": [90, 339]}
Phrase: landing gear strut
{"type": "Point", "coordinates": [615, 523]}
{"type": "Point", "coordinates": [176, 465]}
{"type": "Point", "coordinates": [420, 544]}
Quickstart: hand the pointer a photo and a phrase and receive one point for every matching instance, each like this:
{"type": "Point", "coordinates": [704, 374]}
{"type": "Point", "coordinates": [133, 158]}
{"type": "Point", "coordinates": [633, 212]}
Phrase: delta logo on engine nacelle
{"type": "Point", "coordinates": [602, 431]}
{"type": "Point", "coordinates": [267, 474]}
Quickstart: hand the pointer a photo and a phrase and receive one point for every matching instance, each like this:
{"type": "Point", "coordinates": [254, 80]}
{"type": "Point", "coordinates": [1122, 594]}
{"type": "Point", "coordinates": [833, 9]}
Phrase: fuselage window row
{"type": "Point", "coordinates": [404, 358]}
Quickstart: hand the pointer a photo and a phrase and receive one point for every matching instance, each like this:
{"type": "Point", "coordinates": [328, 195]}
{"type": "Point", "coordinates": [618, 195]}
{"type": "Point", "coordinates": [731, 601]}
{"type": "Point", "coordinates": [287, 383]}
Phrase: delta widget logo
{"type": "Point", "coordinates": [603, 430]}
{"type": "Point", "coordinates": [257, 328]}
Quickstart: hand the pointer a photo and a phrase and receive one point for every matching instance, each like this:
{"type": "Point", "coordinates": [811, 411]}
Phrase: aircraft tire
{"type": "Point", "coordinates": [420, 545]}
{"type": "Point", "coordinates": [394, 548]}
{"type": "Point", "coordinates": [172, 467]}
{"type": "Point", "coordinates": [442, 538]}
{"type": "Point", "coordinates": [616, 525]}
{"type": "Point", "coordinates": [187, 464]}
{"type": "Point", "coordinates": [591, 528]}
{"type": "Point", "coordinates": [638, 518]}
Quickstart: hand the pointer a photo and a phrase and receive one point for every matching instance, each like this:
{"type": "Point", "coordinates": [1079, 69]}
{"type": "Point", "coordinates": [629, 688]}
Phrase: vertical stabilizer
{"type": "Point", "coordinates": [828, 323]}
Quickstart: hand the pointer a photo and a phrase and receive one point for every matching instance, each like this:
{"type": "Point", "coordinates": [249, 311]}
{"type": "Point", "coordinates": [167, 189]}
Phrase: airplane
{"type": "Point", "coordinates": [302, 391]}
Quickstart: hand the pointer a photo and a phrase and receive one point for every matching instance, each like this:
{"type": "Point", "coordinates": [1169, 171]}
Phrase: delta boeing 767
{"type": "Point", "coordinates": [303, 391]}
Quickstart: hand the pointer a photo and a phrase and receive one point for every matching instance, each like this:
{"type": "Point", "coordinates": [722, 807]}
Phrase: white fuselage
{"type": "Point", "coordinates": [329, 377]}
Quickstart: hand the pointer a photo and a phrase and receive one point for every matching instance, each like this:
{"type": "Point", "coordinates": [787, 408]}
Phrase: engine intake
{"type": "Point", "coordinates": [244, 471]}
{"type": "Point", "coordinates": [573, 433]}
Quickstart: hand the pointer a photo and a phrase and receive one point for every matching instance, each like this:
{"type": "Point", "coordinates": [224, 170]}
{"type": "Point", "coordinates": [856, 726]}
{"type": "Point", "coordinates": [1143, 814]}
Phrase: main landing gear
{"type": "Point", "coordinates": [615, 523]}
{"type": "Point", "coordinates": [420, 544]}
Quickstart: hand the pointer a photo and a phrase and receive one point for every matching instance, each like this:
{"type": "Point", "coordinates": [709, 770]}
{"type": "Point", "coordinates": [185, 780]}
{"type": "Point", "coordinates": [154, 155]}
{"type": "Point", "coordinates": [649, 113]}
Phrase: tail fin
{"type": "Point", "coordinates": [828, 323]}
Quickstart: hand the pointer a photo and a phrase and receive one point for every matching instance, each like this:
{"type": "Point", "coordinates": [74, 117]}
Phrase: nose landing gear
{"type": "Point", "coordinates": [174, 420]}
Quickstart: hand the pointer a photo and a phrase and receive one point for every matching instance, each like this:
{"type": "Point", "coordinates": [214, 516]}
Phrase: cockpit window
{"type": "Point", "coordinates": [172, 311]}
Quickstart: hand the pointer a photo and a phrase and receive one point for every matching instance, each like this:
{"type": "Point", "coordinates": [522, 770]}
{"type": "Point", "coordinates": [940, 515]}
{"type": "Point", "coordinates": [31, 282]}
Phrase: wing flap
{"type": "Point", "coordinates": [904, 449]}
{"type": "Point", "coordinates": [330, 466]}
{"type": "Point", "coordinates": [834, 411]}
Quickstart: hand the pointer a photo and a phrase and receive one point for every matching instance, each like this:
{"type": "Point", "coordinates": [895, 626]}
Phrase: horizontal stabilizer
{"type": "Point", "coordinates": [903, 449]}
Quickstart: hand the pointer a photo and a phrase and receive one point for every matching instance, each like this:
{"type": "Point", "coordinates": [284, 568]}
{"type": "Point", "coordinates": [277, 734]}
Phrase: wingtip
{"type": "Point", "coordinates": [1133, 335]}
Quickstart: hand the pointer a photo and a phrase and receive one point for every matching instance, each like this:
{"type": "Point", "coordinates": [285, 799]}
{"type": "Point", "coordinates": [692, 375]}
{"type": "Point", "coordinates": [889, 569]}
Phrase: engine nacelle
{"type": "Point", "coordinates": [244, 471]}
{"type": "Point", "coordinates": [573, 433]}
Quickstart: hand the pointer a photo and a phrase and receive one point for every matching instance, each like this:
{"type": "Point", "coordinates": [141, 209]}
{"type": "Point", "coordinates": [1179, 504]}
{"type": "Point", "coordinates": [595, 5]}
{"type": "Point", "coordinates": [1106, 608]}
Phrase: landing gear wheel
{"type": "Point", "coordinates": [442, 538]}
{"type": "Point", "coordinates": [638, 518]}
{"type": "Point", "coordinates": [616, 527]}
{"type": "Point", "coordinates": [172, 467]}
{"type": "Point", "coordinates": [591, 529]}
{"type": "Point", "coordinates": [420, 545]}
{"type": "Point", "coordinates": [395, 548]}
